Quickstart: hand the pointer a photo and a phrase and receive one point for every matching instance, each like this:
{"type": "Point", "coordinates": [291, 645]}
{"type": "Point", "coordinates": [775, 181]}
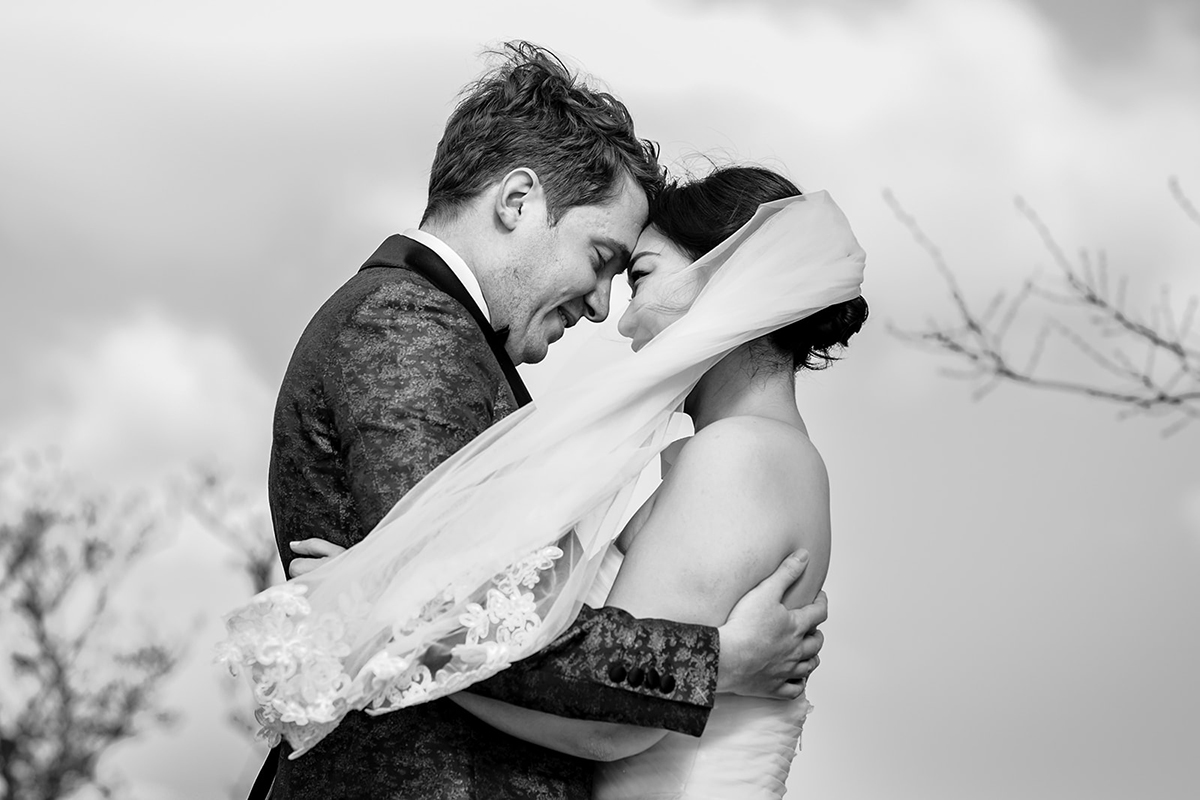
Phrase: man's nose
{"type": "Point", "coordinates": [595, 303]}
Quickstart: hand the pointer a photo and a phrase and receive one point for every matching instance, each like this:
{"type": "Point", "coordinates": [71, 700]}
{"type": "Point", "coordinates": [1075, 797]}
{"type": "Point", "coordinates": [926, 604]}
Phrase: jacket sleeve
{"type": "Point", "coordinates": [411, 381]}
{"type": "Point", "coordinates": [611, 667]}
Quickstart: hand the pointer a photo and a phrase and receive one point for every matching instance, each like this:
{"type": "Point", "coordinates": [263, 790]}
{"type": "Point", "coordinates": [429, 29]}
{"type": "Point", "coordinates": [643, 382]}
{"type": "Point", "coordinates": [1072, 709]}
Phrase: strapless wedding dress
{"type": "Point", "coordinates": [744, 754]}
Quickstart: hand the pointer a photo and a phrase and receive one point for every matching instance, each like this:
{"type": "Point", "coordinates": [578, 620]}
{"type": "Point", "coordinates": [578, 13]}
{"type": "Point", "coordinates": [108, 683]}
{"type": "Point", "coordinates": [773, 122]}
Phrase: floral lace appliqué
{"type": "Point", "coordinates": [297, 661]}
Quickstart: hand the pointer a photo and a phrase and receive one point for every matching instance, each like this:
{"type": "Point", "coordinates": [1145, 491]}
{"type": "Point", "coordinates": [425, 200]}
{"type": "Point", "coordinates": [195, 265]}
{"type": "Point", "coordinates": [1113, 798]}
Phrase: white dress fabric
{"type": "Point", "coordinates": [745, 753]}
{"type": "Point", "coordinates": [488, 558]}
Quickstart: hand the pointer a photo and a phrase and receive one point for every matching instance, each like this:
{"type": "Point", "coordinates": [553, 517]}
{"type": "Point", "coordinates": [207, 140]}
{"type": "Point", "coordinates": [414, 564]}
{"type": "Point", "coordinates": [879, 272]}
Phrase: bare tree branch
{"type": "Point", "coordinates": [1185, 203]}
{"type": "Point", "coordinates": [1162, 379]}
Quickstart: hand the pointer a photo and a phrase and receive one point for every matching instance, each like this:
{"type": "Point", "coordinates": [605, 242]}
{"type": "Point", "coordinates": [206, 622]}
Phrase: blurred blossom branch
{"type": "Point", "coordinates": [241, 521]}
{"type": "Point", "coordinates": [244, 523]}
{"type": "Point", "coordinates": [74, 679]}
{"type": "Point", "coordinates": [1146, 364]}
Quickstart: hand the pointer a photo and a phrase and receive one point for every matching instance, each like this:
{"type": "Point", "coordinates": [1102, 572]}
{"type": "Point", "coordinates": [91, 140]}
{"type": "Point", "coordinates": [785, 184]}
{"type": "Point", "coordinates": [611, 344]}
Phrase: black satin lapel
{"type": "Point", "coordinates": [401, 251]}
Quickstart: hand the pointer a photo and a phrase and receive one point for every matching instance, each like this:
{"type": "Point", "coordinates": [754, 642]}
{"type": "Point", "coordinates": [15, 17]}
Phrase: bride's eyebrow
{"type": "Point", "coordinates": [639, 254]}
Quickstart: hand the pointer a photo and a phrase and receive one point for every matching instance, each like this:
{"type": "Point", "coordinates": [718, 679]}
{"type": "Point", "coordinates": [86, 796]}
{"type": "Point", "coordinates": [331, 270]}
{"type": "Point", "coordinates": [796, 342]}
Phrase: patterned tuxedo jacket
{"type": "Point", "coordinates": [396, 372]}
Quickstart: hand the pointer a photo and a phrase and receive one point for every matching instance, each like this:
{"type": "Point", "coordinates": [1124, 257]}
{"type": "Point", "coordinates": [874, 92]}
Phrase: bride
{"type": "Point", "coordinates": [729, 301]}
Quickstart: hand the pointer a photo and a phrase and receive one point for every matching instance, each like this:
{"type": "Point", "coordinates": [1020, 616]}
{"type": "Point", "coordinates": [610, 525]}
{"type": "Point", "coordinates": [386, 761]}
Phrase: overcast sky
{"type": "Point", "coordinates": [1015, 602]}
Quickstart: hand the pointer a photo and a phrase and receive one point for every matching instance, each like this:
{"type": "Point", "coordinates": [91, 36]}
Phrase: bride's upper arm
{"type": "Point", "coordinates": [736, 502]}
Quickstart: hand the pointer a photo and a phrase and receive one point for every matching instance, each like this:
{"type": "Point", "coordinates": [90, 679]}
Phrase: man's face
{"type": "Point", "coordinates": [563, 273]}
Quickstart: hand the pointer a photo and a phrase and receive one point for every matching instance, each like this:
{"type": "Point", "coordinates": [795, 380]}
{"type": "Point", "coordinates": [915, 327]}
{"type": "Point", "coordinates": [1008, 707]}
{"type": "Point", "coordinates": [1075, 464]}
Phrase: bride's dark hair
{"type": "Point", "coordinates": [698, 215]}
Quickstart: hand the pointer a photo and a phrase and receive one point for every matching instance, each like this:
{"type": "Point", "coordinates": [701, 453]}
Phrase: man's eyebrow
{"type": "Point", "coordinates": [619, 249]}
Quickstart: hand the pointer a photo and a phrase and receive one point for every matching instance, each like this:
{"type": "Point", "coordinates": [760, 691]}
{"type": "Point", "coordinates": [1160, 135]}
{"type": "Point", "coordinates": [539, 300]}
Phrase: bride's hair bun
{"type": "Point", "coordinates": [811, 341]}
{"type": "Point", "coordinates": [698, 215]}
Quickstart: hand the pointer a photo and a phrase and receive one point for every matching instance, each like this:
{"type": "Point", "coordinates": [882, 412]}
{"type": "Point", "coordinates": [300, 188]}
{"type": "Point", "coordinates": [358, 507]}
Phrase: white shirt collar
{"type": "Point", "coordinates": [455, 263]}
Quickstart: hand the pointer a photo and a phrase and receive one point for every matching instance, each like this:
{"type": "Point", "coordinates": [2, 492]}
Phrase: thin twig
{"type": "Point", "coordinates": [1167, 381]}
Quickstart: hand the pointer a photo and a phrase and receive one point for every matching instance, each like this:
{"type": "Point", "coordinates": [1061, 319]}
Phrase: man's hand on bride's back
{"type": "Point", "coordinates": [767, 649]}
{"type": "Point", "coordinates": [310, 554]}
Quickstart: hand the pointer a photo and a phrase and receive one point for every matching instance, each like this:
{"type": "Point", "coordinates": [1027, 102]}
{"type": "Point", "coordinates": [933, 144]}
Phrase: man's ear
{"type": "Point", "coordinates": [517, 196]}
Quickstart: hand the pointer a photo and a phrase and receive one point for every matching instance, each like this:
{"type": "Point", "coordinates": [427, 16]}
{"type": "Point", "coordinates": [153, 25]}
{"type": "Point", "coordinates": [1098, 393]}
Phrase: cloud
{"type": "Point", "coordinates": [1116, 31]}
{"type": "Point", "coordinates": [1191, 512]}
{"type": "Point", "coordinates": [143, 395]}
{"type": "Point", "coordinates": [958, 108]}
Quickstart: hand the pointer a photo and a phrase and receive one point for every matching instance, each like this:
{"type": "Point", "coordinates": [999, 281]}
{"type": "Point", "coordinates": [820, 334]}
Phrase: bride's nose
{"type": "Point", "coordinates": [626, 325]}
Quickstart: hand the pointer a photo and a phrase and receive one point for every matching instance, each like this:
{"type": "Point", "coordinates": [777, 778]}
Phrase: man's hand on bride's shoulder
{"type": "Point", "coordinates": [767, 649]}
{"type": "Point", "coordinates": [310, 554]}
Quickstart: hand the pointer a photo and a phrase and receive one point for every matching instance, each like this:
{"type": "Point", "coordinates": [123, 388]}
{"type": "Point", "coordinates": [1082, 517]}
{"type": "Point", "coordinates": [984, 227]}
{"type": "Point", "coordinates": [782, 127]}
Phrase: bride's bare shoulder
{"type": "Point", "coordinates": [743, 494]}
{"type": "Point", "coordinates": [757, 448]}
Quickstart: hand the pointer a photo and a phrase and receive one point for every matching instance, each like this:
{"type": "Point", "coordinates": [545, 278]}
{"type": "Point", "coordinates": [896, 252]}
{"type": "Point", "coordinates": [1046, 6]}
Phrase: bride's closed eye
{"type": "Point", "coordinates": [633, 277]}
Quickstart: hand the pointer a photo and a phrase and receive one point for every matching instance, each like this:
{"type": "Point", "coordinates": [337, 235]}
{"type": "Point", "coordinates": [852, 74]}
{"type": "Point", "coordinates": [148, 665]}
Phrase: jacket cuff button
{"type": "Point", "coordinates": [616, 672]}
{"type": "Point", "coordinates": [652, 679]}
{"type": "Point", "coordinates": [636, 675]}
{"type": "Point", "coordinates": [667, 685]}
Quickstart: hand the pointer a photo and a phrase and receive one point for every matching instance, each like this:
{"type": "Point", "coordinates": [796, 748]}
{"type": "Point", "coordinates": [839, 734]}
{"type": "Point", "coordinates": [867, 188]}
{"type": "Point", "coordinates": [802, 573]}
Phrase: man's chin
{"type": "Point", "coordinates": [529, 353]}
{"type": "Point", "coordinates": [534, 358]}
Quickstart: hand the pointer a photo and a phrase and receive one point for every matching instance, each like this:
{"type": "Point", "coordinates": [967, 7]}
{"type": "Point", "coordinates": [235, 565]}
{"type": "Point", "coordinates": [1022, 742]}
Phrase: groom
{"type": "Point", "coordinates": [537, 194]}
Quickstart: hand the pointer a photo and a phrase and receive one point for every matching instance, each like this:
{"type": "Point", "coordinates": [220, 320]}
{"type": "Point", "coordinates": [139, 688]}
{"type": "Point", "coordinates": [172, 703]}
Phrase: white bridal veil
{"type": "Point", "coordinates": [488, 558]}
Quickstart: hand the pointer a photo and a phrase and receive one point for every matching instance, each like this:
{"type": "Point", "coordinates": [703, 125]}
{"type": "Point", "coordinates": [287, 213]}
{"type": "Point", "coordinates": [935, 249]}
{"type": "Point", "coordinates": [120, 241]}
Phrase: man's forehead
{"type": "Point", "coordinates": [617, 223]}
{"type": "Point", "coordinates": [631, 203]}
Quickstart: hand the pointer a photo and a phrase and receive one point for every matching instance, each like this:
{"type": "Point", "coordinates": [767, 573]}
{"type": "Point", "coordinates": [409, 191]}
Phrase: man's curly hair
{"type": "Point", "coordinates": [532, 111]}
